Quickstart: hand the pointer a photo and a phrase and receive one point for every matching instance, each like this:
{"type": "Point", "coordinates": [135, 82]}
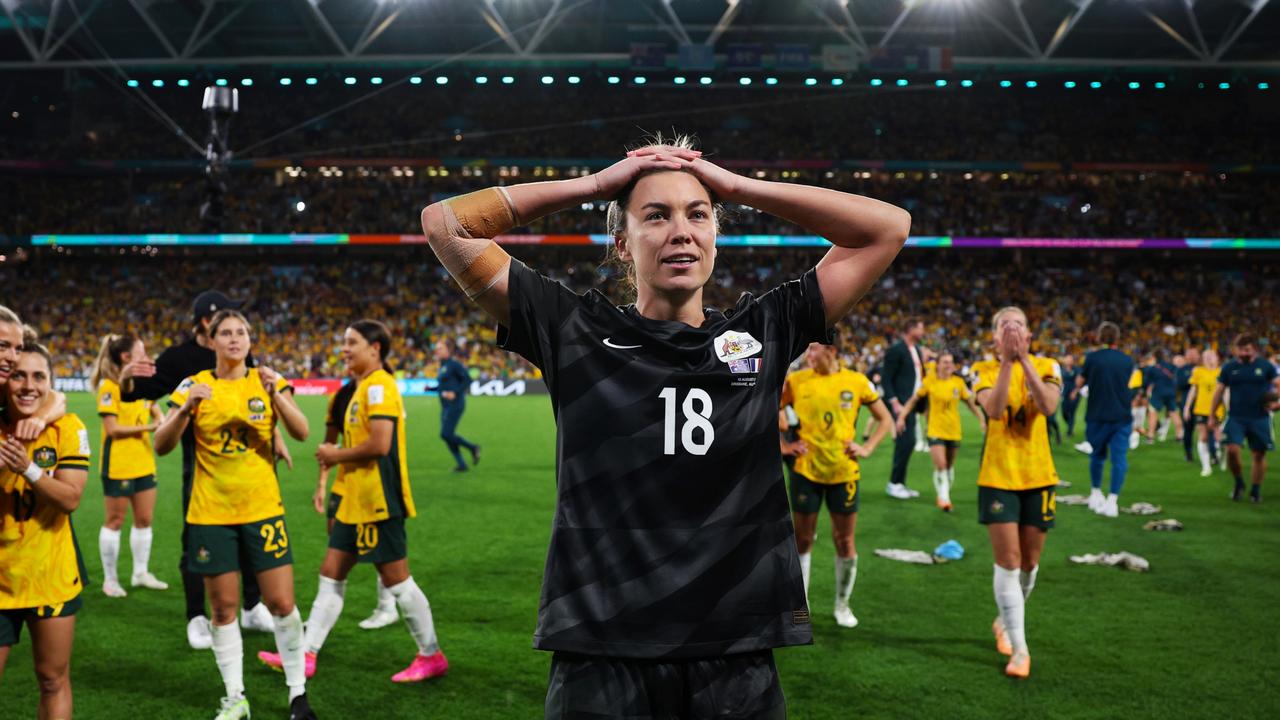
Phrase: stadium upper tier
{"type": "Point", "coordinates": [1057, 117]}
{"type": "Point", "coordinates": [300, 301]}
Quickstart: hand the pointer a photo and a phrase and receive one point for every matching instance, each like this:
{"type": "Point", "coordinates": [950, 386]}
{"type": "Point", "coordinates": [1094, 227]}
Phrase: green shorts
{"type": "Point", "coordinates": [11, 621]}
{"type": "Point", "coordinates": [128, 488]}
{"type": "Point", "coordinates": [249, 547]}
{"type": "Point", "coordinates": [807, 496]}
{"type": "Point", "coordinates": [380, 542]}
{"type": "Point", "coordinates": [948, 444]}
{"type": "Point", "coordinates": [1035, 507]}
{"type": "Point", "coordinates": [331, 509]}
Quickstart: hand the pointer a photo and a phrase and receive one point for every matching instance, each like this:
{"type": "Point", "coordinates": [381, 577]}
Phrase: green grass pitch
{"type": "Point", "coordinates": [1195, 637]}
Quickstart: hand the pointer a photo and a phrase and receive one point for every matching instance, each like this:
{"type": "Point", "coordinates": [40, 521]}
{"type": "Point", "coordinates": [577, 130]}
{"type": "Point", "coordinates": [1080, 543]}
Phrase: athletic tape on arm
{"type": "Point", "coordinates": [463, 238]}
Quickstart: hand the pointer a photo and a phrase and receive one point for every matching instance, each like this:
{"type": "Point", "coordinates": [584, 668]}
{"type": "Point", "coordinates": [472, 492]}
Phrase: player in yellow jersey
{"type": "Point", "coordinates": [1017, 479]}
{"type": "Point", "coordinates": [944, 391]}
{"type": "Point", "coordinates": [370, 522]}
{"type": "Point", "coordinates": [1204, 381]}
{"type": "Point", "coordinates": [236, 516]}
{"type": "Point", "coordinates": [13, 335]}
{"type": "Point", "coordinates": [41, 572]}
{"type": "Point", "coordinates": [826, 398]}
{"type": "Point", "coordinates": [335, 417]}
{"type": "Point", "coordinates": [128, 465]}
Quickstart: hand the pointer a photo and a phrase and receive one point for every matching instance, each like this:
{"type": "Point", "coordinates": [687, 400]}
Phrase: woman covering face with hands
{"type": "Point", "coordinates": [236, 516]}
{"type": "Point", "coordinates": [1016, 480]}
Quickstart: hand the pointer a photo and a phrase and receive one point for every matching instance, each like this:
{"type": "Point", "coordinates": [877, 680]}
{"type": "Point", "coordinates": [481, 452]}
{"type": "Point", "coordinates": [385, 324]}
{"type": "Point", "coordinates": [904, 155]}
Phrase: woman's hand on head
{"type": "Point", "coordinates": [611, 180]}
{"type": "Point", "coordinates": [723, 183]}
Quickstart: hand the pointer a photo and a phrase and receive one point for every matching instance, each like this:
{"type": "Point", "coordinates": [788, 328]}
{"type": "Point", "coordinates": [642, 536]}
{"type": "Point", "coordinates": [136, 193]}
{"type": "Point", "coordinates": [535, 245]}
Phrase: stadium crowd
{"type": "Point", "coordinates": [300, 303]}
{"type": "Point", "coordinates": [382, 200]}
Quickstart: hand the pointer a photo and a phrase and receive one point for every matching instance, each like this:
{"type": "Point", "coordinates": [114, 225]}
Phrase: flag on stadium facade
{"type": "Point", "coordinates": [744, 56]}
{"type": "Point", "coordinates": [839, 58]}
{"type": "Point", "coordinates": [697, 57]}
{"type": "Point", "coordinates": [648, 55]}
{"type": "Point", "coordinates": [792, 56]}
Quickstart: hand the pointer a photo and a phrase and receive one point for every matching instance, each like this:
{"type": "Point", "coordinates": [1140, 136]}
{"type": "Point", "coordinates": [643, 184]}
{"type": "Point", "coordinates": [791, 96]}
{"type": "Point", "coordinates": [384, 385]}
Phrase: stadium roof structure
{"type": "Point", "coordinates": [53, 34]}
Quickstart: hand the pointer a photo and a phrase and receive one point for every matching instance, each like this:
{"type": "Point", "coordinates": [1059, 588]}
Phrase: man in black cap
{"type": "Point", "coordinates": [152, 380]}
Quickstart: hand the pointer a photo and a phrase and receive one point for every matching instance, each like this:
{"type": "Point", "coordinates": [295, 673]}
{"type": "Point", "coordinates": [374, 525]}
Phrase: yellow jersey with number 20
{"type": "Point", "coordinates": [235, 479]}
{"type": "Point", "coordinates": [377, 489]}
{"type": "Point", "coordinates": [1015, 454]}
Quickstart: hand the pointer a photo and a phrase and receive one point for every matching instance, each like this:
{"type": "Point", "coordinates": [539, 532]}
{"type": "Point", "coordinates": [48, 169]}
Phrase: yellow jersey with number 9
{"type": "Point", "coordinates": [827, 406]}
{"type": "Point", "coordinates": [375, 489]}
{"type": "Point", "coordinates": [39, 563]}
{"type": "Point", "coordinates": [235, 479]}
{"type": "Point", "coordinates": [131, 457]}
{"type": "Point", "coordinates": [1015, 453]}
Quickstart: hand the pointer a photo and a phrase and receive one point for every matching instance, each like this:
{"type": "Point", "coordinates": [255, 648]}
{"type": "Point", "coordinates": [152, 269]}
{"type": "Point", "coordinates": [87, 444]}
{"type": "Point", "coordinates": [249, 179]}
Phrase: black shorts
{"type": "Point", "coordinates": [1036, 507]}
{"type": "Point", "coordinates": [733, 687]}
{"type": "Point", "coordinates": [248, 547]}
{"type": "Point", "coordinates": [11, 621]}
{"type": "Point", "coordinates": [331, 509]}
{"type": "Point", "coordinates": [807, 496]}
{"type": "Point", "coordinates": [128, 488]}
{"type": "Point", "coordinates": [376, 542]}
{"type": "Point", "coordinates": [948, 444]}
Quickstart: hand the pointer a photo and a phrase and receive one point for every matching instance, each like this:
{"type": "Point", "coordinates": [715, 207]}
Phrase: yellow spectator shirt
{"type": "Point", "coordinates": [125, 458]}
{"type": "Point", "coordinates": [39, 563]}
{"type": "Point", "coordinates": [1015, 454]}
{"type": "Point", "coordinates": [376, 489]}
{"type": "Point", "coordinates": [944, 405]}
{"type": "Point", "coordinates": [827, 406]}
{"type": "Point", "coordinates": [235, 479]}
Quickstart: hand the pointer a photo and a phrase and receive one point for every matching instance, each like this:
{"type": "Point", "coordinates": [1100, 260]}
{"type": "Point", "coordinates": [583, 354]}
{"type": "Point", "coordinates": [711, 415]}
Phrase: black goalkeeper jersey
{"type": "Point", "coordinates": [672, 535]}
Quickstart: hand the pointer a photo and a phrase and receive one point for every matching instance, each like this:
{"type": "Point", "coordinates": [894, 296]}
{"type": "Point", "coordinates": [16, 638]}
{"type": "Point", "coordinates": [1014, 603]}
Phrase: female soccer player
{"type": "Point", "coordinates": [128, 465]}
{"type": "Point", "coordinates": [1204, 382]}
{"type": "Point", "coordinates": [385, 613]}
{"type": "Point", "coordinates": [377, 499]}
{"type": "Point", "coordinates": [41, 482]}
{"type": "Point", "coordinates": [672, 552]}
{"type": "Point", "coordinates": [13, 335]}
{"type": "Point", "coordinates": [943, 391]}
{"type": "Point", "coordinates": [236, 516]}
{"type": "Point", "coordinates": [1016, 480]}
{"type": "Point", "coordinates": [826, 399]}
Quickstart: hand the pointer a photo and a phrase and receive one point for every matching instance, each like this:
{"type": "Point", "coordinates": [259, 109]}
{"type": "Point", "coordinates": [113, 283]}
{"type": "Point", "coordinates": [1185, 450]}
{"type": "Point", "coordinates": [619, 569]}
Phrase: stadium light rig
{"type": "Point", "coordinates": [312, 81]}
{"type": "Point", "coordinates": [704, 80]}
{"type": "Point", "coordinates": [442, 80]}
{"type": "Point", "coordinates": [221, 104]}
{"type": "Point", "coordinates": [482, 80]}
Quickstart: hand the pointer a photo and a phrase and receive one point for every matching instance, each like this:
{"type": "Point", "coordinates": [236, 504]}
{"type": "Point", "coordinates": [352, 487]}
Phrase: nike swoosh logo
{"type": "Point", "coordinates": [619, 347]}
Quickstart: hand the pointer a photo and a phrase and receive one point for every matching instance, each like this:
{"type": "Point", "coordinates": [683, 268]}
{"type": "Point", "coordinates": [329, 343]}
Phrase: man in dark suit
{"type": "Point", "coordinates": [903, 371]}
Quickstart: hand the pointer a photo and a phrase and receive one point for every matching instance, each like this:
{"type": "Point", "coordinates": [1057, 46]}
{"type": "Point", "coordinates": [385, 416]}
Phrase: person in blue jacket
{"type": "Point", "coordinates": [453, 383]}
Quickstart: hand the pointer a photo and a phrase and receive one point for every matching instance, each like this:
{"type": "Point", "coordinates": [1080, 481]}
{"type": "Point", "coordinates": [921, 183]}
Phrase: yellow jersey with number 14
{"type": "Point", "coordinates": [1015, 453]}
{"type": "Point", "coordinates": [944, 405]}
{"type": "Point", "coordinates": [376, 489]}
{"type": "Point", "coordinates": [235, 479]}
{"type": "Point", "coordinates": [827, 406]}
{"type": "Point", "coordinates": [39, 562]}
{"type": "Point", "coordinates": [125, 458]}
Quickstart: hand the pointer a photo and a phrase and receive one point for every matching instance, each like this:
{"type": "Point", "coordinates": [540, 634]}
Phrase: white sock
{"type": "Point", "coordinates": [951, 481]}
{"type": "Point", "coordinates": [228, 651]}
{"type": "Point", "coordinates": [109, 550]}
{"type": "Point", "coordinates": [1028, 581]}
{"type": "Point", "coordinates": [325, 611]}
{"type": "Point", "coordinates": [939, 483]}
{"type": "Point", "coordinates": [1012, 605]}
{"type": "Point", "coordinates": [416, 612]}
{"type": "Point", "coordinates": [806, 562]}
{"type": "Point", "coordinates": [386, 601]}
{"type": "Point", "coordinates": [140, 546]}
{"type": "Point", "coordinates": [1202, 449]}
{"type": "Point", "coordinates": [288, 630]}
{"type": "Point", "coordinates": [846, 574]}
{"type": "Point", "coordinates": [920, 440]}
